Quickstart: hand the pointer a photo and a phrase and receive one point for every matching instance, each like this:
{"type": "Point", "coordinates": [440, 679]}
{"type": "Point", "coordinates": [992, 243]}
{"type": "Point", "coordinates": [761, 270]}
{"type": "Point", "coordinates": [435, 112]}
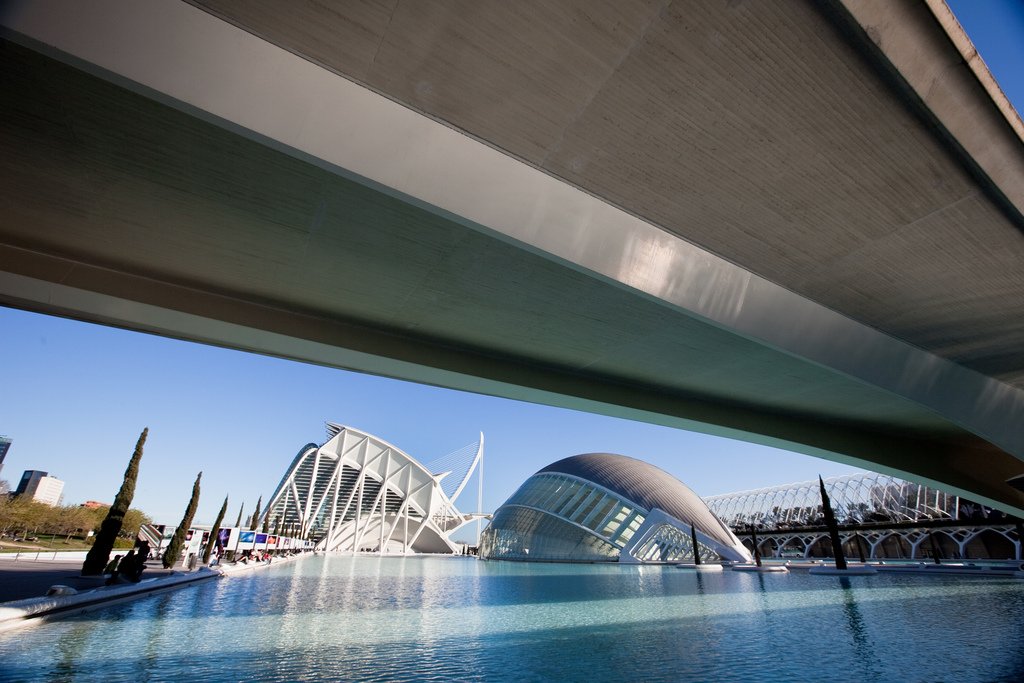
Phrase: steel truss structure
{"type": "Point", "coordinates": [359, 493]}
{"type": "Point", "coordinates": [856, 499]}
{"type": "Point", "coordinates": [868, 498]}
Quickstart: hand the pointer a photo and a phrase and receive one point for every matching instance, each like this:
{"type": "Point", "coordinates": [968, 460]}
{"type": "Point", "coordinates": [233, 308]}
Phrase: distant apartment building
{"type": "Point", "coordinates": [41, 487]}
{"type": "Point", "coordinates": [5, 445]}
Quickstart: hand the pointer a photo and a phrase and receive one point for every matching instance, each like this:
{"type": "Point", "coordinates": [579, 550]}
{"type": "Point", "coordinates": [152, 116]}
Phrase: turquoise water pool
{"type": "Point", "coordinates": [448, 619]}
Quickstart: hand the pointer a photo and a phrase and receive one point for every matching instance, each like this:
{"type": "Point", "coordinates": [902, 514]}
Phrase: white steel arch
{"type": "Point", "coordinates": [359, 493]}
{"type": "Point", "coordinates": [856, 498]}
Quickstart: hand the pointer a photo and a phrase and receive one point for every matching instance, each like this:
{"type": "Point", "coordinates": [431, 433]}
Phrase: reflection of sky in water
{"type": "Point", "coordinates": [341, 618]}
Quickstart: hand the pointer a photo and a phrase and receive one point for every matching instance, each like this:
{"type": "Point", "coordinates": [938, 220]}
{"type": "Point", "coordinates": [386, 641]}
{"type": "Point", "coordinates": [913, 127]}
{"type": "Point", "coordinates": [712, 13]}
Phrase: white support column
{"type": "Point", "coordinates": [405, 534]}
{"type": "Point", "coordinates": [312, 483]}
{"type": "Point", "coordinates": [348, 504]}
{"type": "Point", "coordinates": [378, 501]}
{"type": "Point", "coordinates": [298, 499]}
{"type": "Point", "coordinates": [384, 503]}
{"type": "Point", "coordinates": [327, 490]}
{"type": "Point", "coordinates": [403, 508]}
{"type": "Point", "coordinates": [357, 532]}
{"type": "Point", "coordinates": [334, 501]}
{"type": "Point", "coordinates": [425, 513]}
{"type": "Point", "coordinates": [380, 496]}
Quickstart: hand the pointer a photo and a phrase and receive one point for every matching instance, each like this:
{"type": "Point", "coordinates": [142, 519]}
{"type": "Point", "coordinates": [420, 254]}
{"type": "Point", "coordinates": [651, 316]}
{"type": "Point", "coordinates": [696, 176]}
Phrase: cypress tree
{"type": "Point", "coordinates": [174, 548]}
{"type": "Point", "coordinates": [266, 524]}
{"type": "Point", "coordinates": [753, 540]}
{"type": "Point", "coordinates": [99, 554]}
{"type": "Point", "coordinates": [238, 522]}
{"type": "Point", "coordinates": [277, 527]}
{"type": "Point", "coordinates": [256, 514]}
{"type": "Point", "coordinates": [213, 532]}
{"type": "Point", "coordinates": [833, 528]}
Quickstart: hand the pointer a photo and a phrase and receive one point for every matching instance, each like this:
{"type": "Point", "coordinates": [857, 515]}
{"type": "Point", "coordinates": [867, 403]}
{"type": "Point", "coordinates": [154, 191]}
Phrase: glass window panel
{"type": "Point", "coordinates": [600, 511]}
{"type": "Point", "coordinates": [577, 492]}
{"type": "Point", "coordinates": [587, 507]}
{"type": "Point", "coordinates": [605, 523]}
{"type": "Point", "coordinates": [558, 486]}
{"type": "Point", "coordinates": [541, 490]}
{"type": "Point", "coordinates": [612, 527]}
{"type": "Point", "coordinates": [565, 495]}
{"type": "Point", "coordinates": [575, 505]}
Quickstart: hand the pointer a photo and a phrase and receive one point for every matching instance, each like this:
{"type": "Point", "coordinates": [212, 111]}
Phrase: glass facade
{"type": "Point", "coordinates": [666, 543]}
{"type": "Point", "coordinates": [519, 533]}
{"type": "Point", "coordinates": [559, 517]}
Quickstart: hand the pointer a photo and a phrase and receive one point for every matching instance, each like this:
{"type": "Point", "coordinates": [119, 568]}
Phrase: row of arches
{"type": "Point", "coordinates": [988, 543]}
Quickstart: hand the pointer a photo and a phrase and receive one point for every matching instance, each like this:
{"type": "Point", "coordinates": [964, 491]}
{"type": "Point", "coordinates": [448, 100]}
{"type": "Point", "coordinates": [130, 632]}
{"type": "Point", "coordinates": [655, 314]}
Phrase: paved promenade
{"type": "Point", "coordinates": [30, 579]}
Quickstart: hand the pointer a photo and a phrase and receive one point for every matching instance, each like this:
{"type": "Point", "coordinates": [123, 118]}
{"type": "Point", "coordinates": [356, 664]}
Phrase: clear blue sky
{"type": "Point", "coordinates": [996, 27]}
{"type": "Point", "coordinates": [75, 396]}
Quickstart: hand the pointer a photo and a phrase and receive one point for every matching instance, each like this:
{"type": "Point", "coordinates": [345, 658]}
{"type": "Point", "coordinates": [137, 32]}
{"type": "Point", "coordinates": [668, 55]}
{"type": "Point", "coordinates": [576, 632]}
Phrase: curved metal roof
{"type": "Point", "coordinates": [645, 485]}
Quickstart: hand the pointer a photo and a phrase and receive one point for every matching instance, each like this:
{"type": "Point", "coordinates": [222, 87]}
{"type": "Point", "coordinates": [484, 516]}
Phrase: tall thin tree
{"type": "Point", "coordinates": [833, 528]}
{"type": "Point", "coordinates": [213, 532]}
{"type": "Point", "coordinates": [256, 514]}
{"type": "Point", "coordinates": [99, 554]}
{"type": "Point", "coordinates": [174, 547]}
{"type": "Point", "coordinates": [238, 522]}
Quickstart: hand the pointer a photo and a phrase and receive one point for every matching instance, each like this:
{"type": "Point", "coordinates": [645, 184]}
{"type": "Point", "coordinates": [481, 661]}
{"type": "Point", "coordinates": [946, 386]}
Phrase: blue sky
{"type": "Point", "coordinates": [996, 27]}
{"type": "Point", "coordinates": [75, 396]}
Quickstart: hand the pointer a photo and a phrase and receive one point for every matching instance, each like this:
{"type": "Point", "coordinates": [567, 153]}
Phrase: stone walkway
{"type": "Point", "coordinates": [30, 579]}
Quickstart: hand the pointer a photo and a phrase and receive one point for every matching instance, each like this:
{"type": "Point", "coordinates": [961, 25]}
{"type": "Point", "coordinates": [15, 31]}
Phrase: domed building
{"type": "Point", "coordinates": [601, 507]}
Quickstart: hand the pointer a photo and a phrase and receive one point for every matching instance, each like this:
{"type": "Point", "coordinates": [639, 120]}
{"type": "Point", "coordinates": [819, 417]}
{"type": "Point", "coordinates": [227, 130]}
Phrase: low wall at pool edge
{"type": "Point", "coordinates": [31, 610]}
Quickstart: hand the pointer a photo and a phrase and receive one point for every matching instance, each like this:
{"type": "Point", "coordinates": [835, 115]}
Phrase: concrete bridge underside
{"type": "Point", "coordinates": [798, 224]}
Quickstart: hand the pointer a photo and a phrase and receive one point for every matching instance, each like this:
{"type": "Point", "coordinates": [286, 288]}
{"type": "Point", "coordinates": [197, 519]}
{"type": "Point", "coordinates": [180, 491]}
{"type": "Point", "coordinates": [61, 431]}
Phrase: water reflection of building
{"type": "Point", "coordinates": [601, 507]}
{"type": "Point", "coordinates": [358, 493]}
{"type": "Point", "coordinates": [885, 516]}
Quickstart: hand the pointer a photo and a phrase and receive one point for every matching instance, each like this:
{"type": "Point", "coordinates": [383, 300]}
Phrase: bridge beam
{"type": "Point", "coordinates": [167, 269]}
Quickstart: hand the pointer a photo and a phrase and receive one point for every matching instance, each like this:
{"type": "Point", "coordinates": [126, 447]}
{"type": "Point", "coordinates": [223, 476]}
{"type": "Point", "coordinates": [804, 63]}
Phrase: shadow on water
{"type": "Point", "coordinates": [476, 622]}
{"type": "Point", "coordinates": [862, 645]}
{"type": "Point", "coordinates": [708, 648]}
{"type": "Point", "coordinates": [70, 650]}
{"type": "Point", "coordinates": [151, 652]}
{"type": "Point", "coordinates": [272, 590]}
